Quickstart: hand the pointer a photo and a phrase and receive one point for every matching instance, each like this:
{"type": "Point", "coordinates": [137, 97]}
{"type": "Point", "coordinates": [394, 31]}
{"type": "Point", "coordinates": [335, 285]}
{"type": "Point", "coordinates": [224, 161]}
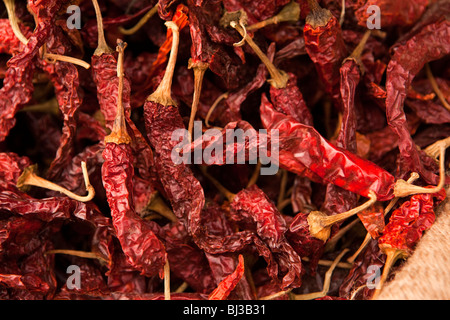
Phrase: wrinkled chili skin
{"type": "Point", "coordinates": [18, 85]}
{"type": "Point", "coordinates": [430, 43]}
{"type": "Point", "coordinates": [141, 246]}
{"type": "Point", "coordinates": [393, 13]}
{"type": "Point", "coordinates": [9, 44]}
{"type": "Point", "coordinates": [408, 222]}
{"type": "Point", "coordinates": [252, 205]}
{"type": "Point", "coordinates": [326, 48]}
{"type": "Point", "coordinates": [183, 190]}
{"type": "Point", "coordinates": [332, 164]}
{"type": "Point", "coordinates": [227, 285]}
{"type": "Point", "coordinates": [289, 100]}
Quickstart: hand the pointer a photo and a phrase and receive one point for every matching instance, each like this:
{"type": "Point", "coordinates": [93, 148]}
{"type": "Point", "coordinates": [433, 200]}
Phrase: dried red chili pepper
{"type": "Point", "coordinates": [398, 13]}
{"type": "Point", "coordinates": [406, 226]}
{"type": "Point", "coordinates": [251, 205]}
{"type": "Point", "coordinates": [143, 249]}
{"type": "Point", "coordinates": [18, 85]}
{"type": "Point", "coordinates": [9, 43]}
{"type": "Point", "coordinates": [65, 79]}
{"type": "Point", "coordinates": [293, 134]}
{"type": "Point", "coordinates": [229, 283]}
{"type": "Point", "coordinates": [326, 48]}
{"type": "Point", "coordinates": [410, 56]}
{"type": "Point", "coordinates": [338, 200]}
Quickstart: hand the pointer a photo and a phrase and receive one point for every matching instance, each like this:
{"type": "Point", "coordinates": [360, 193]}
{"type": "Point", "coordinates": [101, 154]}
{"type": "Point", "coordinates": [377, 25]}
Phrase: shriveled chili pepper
{"type": "Point", "coordinates": [326, 48]}
{"type": "Point", "coordinates": [17, 85]}
{"type": "Point", "coordinates": [229, 283]}
{"type": "Point", "coordinates": [9, 43]}
{"type": "Point", "coordinates": [141, 246]}
{"type": "Point", "coordinates": [406, 226]}
{"type": "Point", "coordinates": [65, 79]}
{"type": "Point", "coordinates": [322, 158]}
{"type": "Point", "coordinates": [252, 204]}
{"type": "Point", "coordinates": [398, 13]}
{"type": "Point", "coordinates": [338, 200]}
{"type": "Point", "coordinates": [409, 57]}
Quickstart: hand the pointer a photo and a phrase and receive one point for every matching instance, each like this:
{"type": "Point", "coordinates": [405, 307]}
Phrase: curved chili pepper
{"type": "Point", "coordinates": [251, 205]}
{"type": "Point", "coordinates": [227, 285]}
{"type": "Point", "coordinates": [428, 44]}
{"type": "Point", "coordinates": [332, 164]}
{"type": "Point", "coordinates": [65, 78]}
{"type": "Point", "coordinates": [18, 85]}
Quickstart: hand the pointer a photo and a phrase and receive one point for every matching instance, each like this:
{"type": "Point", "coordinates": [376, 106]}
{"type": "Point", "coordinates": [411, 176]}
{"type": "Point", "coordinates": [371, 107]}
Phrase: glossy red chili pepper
{"type": "Point", "coordinates": [308, 149]}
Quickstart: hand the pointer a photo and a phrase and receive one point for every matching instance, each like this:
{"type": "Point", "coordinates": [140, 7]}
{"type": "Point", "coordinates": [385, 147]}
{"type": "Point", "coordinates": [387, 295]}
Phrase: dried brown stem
{"type": "Point", "coordinates": [213, 107]}
{"type": "Point", "coordinates": [279, 78]}
{"type": "Point", "coordinates": [52, 58]}
{"type": "Point", "coordinates": [14, 21]}
{"type": "Point", "coordinates": [436, 88]}
{"type": "Point", "coordinates": [414, 176]}
{"type": "Point", "coordinates": [282, 192]}
{"type": "Point", "coordinates": [326, 283]}
{"type": "Point", "coordinates": [140, 23]}
{"type": "Point", "coordinates": [49, 106]}
{"type": "Point", "coordinates": [228, 194]}
{"type": "Point", "coordinates": [289, 13]}
{"type": "Point", "coordinates": [29, 178]}
{"type": "Point", "coordinates": [158, 205]}
{"type": "Point", "coordinates": [182, 287]}
{"type": "Point", "coordinates": [392, 255]}
{"type": "Point", "coordinates": [199, 72]}
{"type": "Point", "coordinates": [330, 245]}
{"type": "Point", "coordinates": [342, 16]}
{"type": "Point", "coordinates": [255, 175]}
{"type": "Point", "coordinates": [102, 46]}
{"type": "Point", "coordinates": [119, 134]}
{"type": "Point", "coordinates": [403, 189]}
{"type": "Point", "coordinates": [318, 16]}
{"type": "Point", "coordinates": [328, 263]}
{"type": "Point", "coordinates": [77, 253]}
{"type": "Point", "coordinates": [276, 295]}
{"type": "Point", "coordinates": [167, 280]}
{"type": "Point", "coordinates": [162, 94]}
{"type": "Point", "coordinates": [320, 223]}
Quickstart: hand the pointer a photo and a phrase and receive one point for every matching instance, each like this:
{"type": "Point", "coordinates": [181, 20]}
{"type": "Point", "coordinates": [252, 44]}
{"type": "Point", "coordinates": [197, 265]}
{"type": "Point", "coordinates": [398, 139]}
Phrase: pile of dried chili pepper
{"type": "Point", "coordinates": [123, 174]}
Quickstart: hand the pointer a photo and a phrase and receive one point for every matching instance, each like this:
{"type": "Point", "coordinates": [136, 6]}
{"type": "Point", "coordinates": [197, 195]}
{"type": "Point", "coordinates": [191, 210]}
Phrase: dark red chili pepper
{"type": "Point", "coordinates": [65, 79]}
{"type": "Point", "coordinates": [326, 48]}
{"type": "Point", "coordinates": [9, 44]}
{"type": "Point", "coordinates": [338, 200]}
{"type": "Point", "coordinates": [18, 82]}
{"type": "Point", "coordinates": [392, 13]}
{"type": "Point", "coordinates": [229, 283]}
{"type": "Point", "coordinates": [252, 206]}
{"type": "Point", "coordinates": [410, 56]}
{"type": "Point", "coordinates": [143, 249]}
